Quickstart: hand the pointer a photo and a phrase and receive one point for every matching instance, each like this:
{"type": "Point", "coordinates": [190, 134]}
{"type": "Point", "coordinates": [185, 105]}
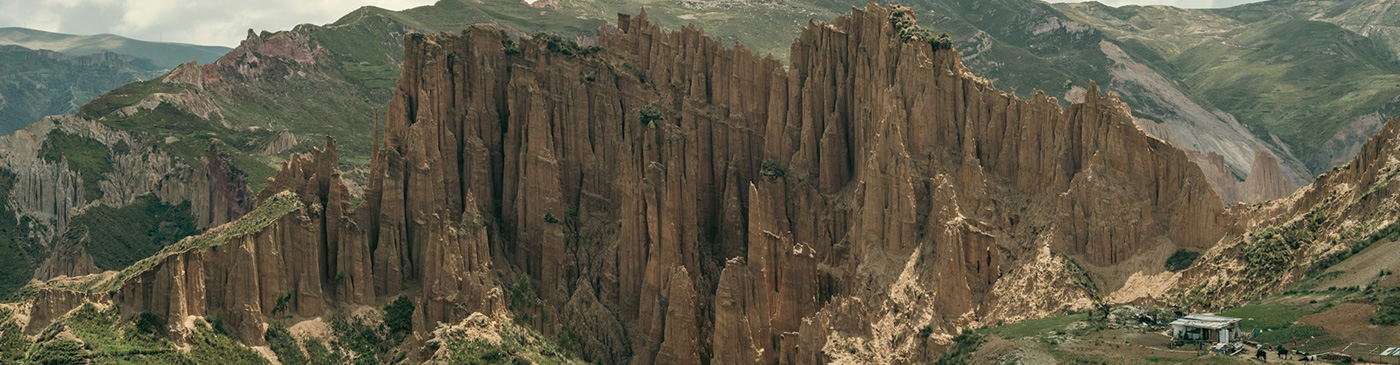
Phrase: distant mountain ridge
{"type": "Point", "coordinates": [44, 73]}
{"type": "Point", "coordinates": [165, 55]}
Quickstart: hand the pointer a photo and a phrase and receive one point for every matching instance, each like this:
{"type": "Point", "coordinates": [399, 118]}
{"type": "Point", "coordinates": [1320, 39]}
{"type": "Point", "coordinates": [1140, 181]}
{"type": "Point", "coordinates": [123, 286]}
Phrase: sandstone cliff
{"type": "Point", "coordinates": [690, 202]}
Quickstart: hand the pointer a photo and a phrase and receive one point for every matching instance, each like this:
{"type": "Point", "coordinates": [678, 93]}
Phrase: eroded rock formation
{"type": "Point", "coordinates": [690, 202]}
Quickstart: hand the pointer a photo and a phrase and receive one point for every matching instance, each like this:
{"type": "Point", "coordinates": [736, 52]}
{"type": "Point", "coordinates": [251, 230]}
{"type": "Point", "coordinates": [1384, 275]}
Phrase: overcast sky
{"type": "Point", "coordinates": [209, 22]}
{"type": "Point", "coordinates": [226, 22]}
{"type": "Point", "coordinates": [1194, 4]}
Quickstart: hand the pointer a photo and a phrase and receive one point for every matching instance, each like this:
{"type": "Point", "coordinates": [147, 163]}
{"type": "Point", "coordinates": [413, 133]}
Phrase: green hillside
{"type": "Point", "coordinates": [164, 55]}
{"type": "Point", "coordinates": [38, 83]}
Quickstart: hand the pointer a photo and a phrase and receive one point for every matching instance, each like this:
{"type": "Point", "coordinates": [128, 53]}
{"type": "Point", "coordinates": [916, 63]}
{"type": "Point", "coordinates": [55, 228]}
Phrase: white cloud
{"type": "Point", "coordinates": [1191, 4]}
{"type": "Point", "coordinates": [212, 22]}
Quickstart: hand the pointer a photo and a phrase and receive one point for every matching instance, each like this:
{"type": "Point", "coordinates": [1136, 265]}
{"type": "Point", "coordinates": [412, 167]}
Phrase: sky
{"type": "Point", "coordinates": [226, 22]}
{"type": "Point", "coordinates": [207, 22]}
{"type": "Point", "coordinates": [1193, 4]}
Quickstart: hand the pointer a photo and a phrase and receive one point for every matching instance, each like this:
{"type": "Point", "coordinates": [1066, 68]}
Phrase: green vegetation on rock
{"type": "Point", "coordinates": [86, 156]}
{"type": "Point", "coordinates": [964, 344]}
{"type": "Point", "coordinates": [280, 340]}
{"type": "Point", "coordinates": [268, 211]}
{"type": "Point", "coordinates": [398, 318]}
{"type": "Point", "coordinates": [146, 226]}
{"type": "Point", "coordinates": [1387, 312]}
{"type": "Point", "coordinates": [1181, 259]}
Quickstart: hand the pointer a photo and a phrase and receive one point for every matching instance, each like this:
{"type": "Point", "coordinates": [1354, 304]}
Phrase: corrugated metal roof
{"type": "Point", "coordinates": [1212, 318]}
{"type": "Point", "coordinates": [1188, 322]}
{"type": "Point", "coordinates": [1393, 351]}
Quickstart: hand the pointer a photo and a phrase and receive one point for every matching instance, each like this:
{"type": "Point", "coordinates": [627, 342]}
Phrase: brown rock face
{"type": "Point", "coordinates": [693, 203]}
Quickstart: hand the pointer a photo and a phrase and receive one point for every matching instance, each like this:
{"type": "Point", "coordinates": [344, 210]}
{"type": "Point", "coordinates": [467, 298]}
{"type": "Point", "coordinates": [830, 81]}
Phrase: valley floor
{"type": "Point", "coordinates": [1358, 321]}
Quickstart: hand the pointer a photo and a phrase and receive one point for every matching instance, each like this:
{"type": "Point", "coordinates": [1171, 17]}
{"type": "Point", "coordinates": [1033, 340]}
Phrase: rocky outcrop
{"type": "Point", "coordinates": [692, 202]}
{"type": "Point", "coordinates": [228, 197]}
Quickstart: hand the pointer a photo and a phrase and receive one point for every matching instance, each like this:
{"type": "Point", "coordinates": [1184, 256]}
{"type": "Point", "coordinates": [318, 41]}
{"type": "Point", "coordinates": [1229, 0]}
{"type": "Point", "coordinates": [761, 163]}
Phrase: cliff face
{"type": "Point", "coordinates": [685, 201]}
{"type": "Point", "coordinates": [1286, 240]}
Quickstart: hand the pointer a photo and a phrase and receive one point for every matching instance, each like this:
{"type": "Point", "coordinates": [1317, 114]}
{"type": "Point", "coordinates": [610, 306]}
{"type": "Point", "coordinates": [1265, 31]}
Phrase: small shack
{"type": "Point", "coordinates": [1205, 327]}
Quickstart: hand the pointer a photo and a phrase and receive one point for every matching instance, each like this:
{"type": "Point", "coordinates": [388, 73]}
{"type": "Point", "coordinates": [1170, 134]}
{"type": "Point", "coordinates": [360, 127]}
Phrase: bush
{"type": "Point", "coordinates": [361, 340]}
{"type": "Point", "coordinates": [649, 113]}
{"type": "Point", "coordinates": [149, 323]}
{"type": "Point", "coordinates": [398, 317]}
{"type": "Point", "coordinates": [284, 345]}
{"type": "Point", "coordinates": [567, 48]}
{"type": "Point", "coordinates": [59, 352]}
{"type": "Point", "coordinates": [282, 302]}
{"type": "Point", "coordinates": [12, 340]}
{"type": "Point", "coordinates": [1387, 312]}
{"type": "Point", "coordinates": [1181, 260]}
{"type": "Point", "coordinates": [522, 294]}
{"type": "Point", "coordinates": [964, 344]}
{"type": "Point", "coordinates": [771, 170]}
{"type": "Point", "coordinates": [319, 354]}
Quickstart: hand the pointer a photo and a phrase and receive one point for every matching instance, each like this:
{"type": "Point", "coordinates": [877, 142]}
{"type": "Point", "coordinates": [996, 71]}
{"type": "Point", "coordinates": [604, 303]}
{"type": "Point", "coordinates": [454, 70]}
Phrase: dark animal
{"type": "Point", "coordinates": [1261, 355]}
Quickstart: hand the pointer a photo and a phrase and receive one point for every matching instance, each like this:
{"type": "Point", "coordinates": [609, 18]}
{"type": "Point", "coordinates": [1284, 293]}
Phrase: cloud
{"type": "Point", "coordinates": [217, 22]}
{"type": "Point", "coordinates": [1190, 4]}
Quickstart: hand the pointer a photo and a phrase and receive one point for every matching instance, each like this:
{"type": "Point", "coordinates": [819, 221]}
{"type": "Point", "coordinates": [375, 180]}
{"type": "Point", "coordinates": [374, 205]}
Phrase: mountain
{"type": "Point", "coordinates": [163, 54]}
{"type": "Point", "coordinates": [645, 192]}
{"type": "Point", "coordinates": [582, 221]}
{"type": "Point", "coordinates": [37, 83]}
{"type": "Point", "coordinates": [44, 73]}
{"type": "Point", "coordinates": [1287, 69]}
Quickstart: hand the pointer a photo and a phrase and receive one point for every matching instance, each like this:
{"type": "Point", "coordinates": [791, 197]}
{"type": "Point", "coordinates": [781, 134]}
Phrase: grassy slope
{"type": "Point", "coordinates": [1301, 80]}
{"type": "Point", "coordinates": [34, 84]}
{"type": "Point", "coordinates": [165, 55]}
{"type": "Point", "coordinates": [148, 225]}
{"type": "Point", "coordinates": [106, 338]}
{"type": "Point", "coordinates": [268, 211]}
{"type": "Point", "coordinates": [1294, 78]}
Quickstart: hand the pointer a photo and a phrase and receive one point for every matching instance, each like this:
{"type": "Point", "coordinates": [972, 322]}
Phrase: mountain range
{"type": "Point", "coordinates": [512, 156]}
{"type": "Point", "coordinates": [44, 73]}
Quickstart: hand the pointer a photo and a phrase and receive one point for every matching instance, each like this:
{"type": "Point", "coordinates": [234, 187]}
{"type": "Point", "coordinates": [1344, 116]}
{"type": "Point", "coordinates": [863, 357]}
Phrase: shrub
{"type": "Point", "coordinates": [282, 302]}
{"type": "Point", "coordinates": [149, 323]}
{"type": "Point", "coordinates": [284, 345]}
{"type": "Point", "coordinates": [1387, 312]}
{"type": "Point", "coordinates": [567, 48]}
{"type": "Point", "coordinates": [549, 218]}
{"type": "Point", "coordinates": [649, 113]}
{"type": "Point", "coordinates": [964, 344]}
{"type": "Point", "coordinates": [398, 317]}
{"type": "Point", "coordinates": [771, 170]}
{"type": "Point", "coordinates": [1181, 260]}
{"type": "Point", "coordinates": [12, 340]}
{"type": "Point", "coordinates": [59, 352]}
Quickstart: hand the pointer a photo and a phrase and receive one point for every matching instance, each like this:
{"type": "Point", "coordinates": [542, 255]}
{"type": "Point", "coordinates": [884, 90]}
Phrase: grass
{"type": "Point", "coordinates": [1272, 314]}
{"type": "Point", "coordinates": [13, 342]}
{"type": "Point", "coordinates": [270, 210]}
{"type": "Point", "coordinates": [1387, 312]}
{"type": "Point", "coordinates": [125, 96]}
{"type": "Point", "coordinates": [1035, 327]}
{"type": "Point", "coordinates": [107, 339]}
{"type": "Point", "coordinates": [1388, 233]}
{"type": "Point", "coordinates": [147, 225]}
{"type": "Point", "coordinates": [86, 156]}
